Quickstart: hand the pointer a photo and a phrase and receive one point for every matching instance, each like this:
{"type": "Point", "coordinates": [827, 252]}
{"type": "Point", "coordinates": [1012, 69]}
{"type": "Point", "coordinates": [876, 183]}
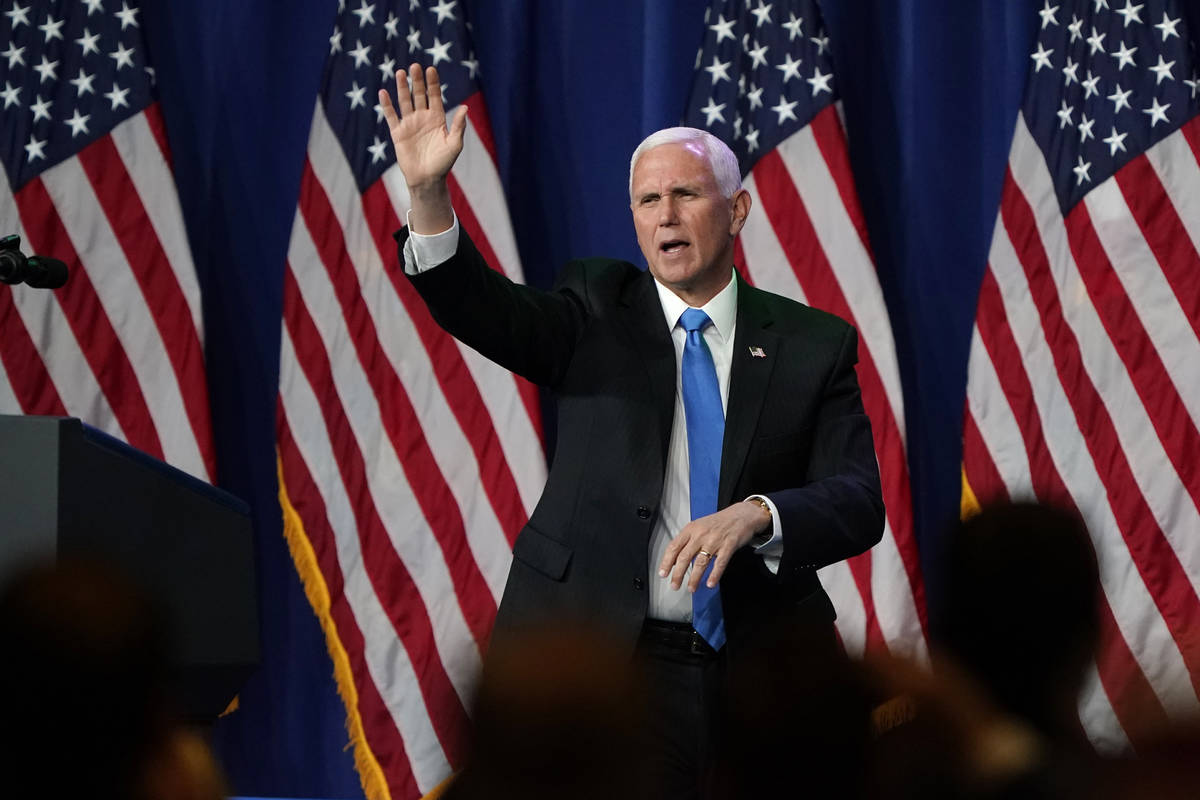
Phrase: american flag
{"type": "Point", "coordinates": [764, 83]}
{"type": "Point", "coordinates": [87, 180]}
{"type": "Point", "coordinates": [1084, 378]}
{"type": "Point", "coordinates": [408, 462]}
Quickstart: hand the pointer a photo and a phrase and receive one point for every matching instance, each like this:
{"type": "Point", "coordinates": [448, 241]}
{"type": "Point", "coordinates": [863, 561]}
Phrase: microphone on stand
{"type": "Point", "coordinates": [39, 272]}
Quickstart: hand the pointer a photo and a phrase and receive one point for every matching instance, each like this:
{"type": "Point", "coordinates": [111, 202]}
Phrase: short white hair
{"type": "Point", "coordinates": [721, 160]}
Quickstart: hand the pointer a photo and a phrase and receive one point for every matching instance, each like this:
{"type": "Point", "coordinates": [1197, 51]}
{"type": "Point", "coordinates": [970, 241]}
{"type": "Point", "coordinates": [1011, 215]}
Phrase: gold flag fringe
{"type": "Point", "coordinates": [370, 774]}
{"type": "Point", "coordinates": [969, 504]}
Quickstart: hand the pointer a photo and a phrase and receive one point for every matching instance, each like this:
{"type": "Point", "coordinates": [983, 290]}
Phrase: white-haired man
{"type": "Point", "coordinates": [710, 435]}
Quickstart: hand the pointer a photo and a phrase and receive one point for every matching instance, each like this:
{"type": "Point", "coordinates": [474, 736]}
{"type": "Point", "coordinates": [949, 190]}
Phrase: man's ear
{"type": "Point", "coordinates": [741, 209]}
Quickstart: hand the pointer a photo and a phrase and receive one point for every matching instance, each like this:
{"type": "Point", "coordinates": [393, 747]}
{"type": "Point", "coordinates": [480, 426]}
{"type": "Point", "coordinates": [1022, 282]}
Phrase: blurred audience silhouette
{"type": "Point", "coordinates": [796, 719]}
{"type": "Point", "coordinates": [1019, 611]}
{"type": "Point", "coordinates": [564, 712]}
{"type": "Point", "coordinates": [1013, 631]}
{"type": "Point", "coordinates": [558, 715]}
{"type": "Point", "coordinates": [85, 676]}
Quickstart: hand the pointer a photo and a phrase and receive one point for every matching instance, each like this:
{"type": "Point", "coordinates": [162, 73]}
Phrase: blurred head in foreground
{"type": "Point", "coordinates": [557, 715]}
{"type": "Point", "coordinates": [796, 718]}
{"type": "Point", "coordinates": [84, 678]}
{"type": "Point", "coordinates": [1019, 610]}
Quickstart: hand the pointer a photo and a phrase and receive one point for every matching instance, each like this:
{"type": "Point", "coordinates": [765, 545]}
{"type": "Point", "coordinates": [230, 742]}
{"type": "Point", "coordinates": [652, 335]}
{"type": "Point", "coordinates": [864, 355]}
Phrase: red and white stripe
{"type": "Point", "coordinates": [121, 345]}
{"type": "Point", "coordinates": [412, 461]}
{"type": "Point", "coordinates": [1085, 362]}
{"type": "Point", "coordinates": [806, 239]}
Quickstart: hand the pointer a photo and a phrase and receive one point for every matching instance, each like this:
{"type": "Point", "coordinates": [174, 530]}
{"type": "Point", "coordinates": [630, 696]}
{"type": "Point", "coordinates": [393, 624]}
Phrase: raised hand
{"type": "Point", "coordinates": [425, 147]}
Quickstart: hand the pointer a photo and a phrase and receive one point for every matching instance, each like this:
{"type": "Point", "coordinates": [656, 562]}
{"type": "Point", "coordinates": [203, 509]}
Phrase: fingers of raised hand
{"type": "Point", "coordinates": [416, 90]}
{"type": "Point", "coordinates": [420, 99]}
{"type": "Point", "coordinates": [434, 90]}
{"type": "Point", "coordinates": [389, 112]}
{"type": "Point", "coordinates": [458, 125]}
{"type": "Point", "coordinates": [403, 93]}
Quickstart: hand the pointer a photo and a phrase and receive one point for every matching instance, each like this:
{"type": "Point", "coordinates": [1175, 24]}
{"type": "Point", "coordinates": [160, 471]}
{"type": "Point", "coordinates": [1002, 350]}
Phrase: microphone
{"type": "Point", "coordinates": [39, 272]}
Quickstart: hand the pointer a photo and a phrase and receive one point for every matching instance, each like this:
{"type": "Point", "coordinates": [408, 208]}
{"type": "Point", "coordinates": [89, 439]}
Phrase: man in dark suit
{"type": "Point", "coordinates": [709, 434]}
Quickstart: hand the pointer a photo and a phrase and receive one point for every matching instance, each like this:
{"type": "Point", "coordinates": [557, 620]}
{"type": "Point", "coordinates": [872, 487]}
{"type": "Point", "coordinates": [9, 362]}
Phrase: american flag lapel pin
{"type": "Point", "coordinates": [757, 352]}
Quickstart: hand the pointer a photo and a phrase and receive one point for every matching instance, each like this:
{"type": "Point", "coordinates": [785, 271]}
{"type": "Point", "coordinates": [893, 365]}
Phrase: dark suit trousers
{"type": "Point", "coordinates": [684, 694]}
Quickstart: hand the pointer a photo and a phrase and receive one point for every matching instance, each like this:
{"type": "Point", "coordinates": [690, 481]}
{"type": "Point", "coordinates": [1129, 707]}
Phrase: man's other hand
{"type": "Point", "coordinates": [716, 538]}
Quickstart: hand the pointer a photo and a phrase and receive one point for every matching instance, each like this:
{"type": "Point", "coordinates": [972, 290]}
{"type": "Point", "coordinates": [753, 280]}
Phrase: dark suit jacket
{"type": "Point", "coordinates": [795, 430]}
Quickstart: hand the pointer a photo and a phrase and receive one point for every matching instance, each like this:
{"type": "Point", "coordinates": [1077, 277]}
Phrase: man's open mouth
{"type": "Point", "coordinates": [673, 246]}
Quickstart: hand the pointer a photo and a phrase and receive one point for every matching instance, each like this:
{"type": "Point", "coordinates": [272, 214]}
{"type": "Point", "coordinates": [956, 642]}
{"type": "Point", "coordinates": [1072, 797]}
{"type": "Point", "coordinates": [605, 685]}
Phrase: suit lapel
{"type": "Point", "coordinates": [651, 340]}
{"type": "Point", "coordinates": [754, 351]}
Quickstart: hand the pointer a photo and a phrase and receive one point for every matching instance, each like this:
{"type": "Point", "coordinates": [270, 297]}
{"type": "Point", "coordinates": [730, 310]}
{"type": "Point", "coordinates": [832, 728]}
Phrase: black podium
{"type": "Point", "coordinates": [69, 489]}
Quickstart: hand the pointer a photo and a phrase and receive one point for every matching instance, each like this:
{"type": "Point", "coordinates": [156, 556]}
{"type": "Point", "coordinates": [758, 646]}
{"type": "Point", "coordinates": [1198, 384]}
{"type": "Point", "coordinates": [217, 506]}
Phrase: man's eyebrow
{"type": "Point", "coordinates": [682, 186]}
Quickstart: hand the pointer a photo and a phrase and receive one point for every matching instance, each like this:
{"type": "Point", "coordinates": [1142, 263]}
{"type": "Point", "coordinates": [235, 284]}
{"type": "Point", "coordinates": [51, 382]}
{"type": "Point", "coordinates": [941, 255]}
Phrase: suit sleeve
{"type": "Point", "coordinates": [838, 511]}
{"type": "Point", "coordinates": [527, 331]}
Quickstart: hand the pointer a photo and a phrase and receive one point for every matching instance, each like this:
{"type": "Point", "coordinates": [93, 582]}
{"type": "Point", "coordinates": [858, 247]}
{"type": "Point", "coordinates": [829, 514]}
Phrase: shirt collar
{"type": "Point", "coordinates": [722, 309]}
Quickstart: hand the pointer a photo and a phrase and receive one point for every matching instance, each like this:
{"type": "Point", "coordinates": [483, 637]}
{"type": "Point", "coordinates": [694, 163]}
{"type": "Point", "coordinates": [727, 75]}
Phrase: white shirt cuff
{"type": "Point", "coordinates": [772, 549]}
{"type": "Point", "coordinates": [425, 251]}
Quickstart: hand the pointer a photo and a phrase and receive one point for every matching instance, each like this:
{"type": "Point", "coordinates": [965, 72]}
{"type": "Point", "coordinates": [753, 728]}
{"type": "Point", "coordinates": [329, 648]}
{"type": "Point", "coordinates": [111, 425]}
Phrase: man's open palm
{"type": "Point", "coordinates": [425, 147]}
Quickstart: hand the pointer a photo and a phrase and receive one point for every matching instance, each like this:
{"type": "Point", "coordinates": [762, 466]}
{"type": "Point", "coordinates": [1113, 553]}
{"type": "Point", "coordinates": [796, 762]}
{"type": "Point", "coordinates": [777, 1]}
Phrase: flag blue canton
{"type": "Point", "coordinates": [71, 72]}
{"type": "Point", "coordinates": [763, 72]}
{"type": "Point", "coordinates": [1107, 81]}
{"type": "Point", "coordinates": [370, 41]}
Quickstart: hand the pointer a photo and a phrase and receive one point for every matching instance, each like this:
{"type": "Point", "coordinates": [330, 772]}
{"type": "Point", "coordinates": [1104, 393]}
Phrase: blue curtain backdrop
{"type": "Point", "coordinates": [930, 89]}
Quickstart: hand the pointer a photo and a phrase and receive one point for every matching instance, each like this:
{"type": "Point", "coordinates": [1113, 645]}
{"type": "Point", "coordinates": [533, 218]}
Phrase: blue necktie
{"type": "Point", "coordinates": [705, 429]}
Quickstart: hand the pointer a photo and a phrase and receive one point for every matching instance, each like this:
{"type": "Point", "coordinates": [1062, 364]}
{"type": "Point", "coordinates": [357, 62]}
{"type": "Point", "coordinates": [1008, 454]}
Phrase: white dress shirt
{"type": "Point", "coordinates": [675, 510]}
{"type": "Point", "coordinates": [423, 252]}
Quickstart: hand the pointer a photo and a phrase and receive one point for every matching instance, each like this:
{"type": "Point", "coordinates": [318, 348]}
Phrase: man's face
{"type": "Point", "coordinates": [684, 226]}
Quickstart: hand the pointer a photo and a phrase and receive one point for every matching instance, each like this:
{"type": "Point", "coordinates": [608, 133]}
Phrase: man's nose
{"type": "Point", "coordinates": [667, 212]}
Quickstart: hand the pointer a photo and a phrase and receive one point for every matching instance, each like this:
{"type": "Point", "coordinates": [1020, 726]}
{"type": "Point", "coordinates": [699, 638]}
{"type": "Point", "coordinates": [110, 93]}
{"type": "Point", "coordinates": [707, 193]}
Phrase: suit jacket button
{"type": "Point", "coordinates": [643, 512]}
{"type": "Point", "coordinates": [638, 584]}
